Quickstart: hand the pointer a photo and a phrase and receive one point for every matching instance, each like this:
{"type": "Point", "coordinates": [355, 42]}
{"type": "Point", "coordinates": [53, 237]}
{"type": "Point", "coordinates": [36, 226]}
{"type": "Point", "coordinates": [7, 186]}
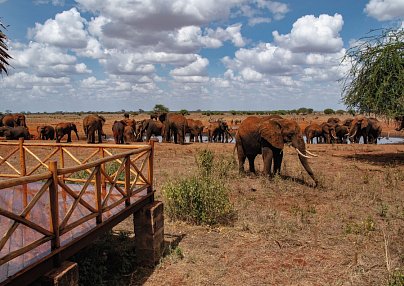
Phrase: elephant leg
{"type": "Point", "coordinates": [251, 159]}
{"type": "Point", "coordinates": [69, 137]}
{"type": "Point", "coordinates": [241, 159]}
{"type": "Point", "coordinates": [267, 155]}
{"type": "Point", "coordinates": [99, 135]}
{"type": "Point", "coordinates": [278, 157]}
{"type": "Point", "coordinates": [175, 136]}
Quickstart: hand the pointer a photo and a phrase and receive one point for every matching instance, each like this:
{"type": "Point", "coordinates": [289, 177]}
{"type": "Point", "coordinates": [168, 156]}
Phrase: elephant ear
{"type": "Point", "coordinates": [271, 132]}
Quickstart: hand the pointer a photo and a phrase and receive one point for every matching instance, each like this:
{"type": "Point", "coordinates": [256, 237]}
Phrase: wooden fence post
{"type": "Point", "coordinates": [103, 182]}
{"type": "Point", "coordinates": [23, 170]}
{"type": "Point", "coordinates": [98, 193]}
{"type": "Point", "coordinates": [127, 181]}
{"type": "Point", "coordinates": [54, 209]}
{"type": "Point", "coordinates": [150, 167]}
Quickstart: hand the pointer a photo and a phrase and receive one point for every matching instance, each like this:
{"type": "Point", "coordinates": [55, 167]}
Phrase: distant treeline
{"type": "Point", "coordinates": [300, 111]}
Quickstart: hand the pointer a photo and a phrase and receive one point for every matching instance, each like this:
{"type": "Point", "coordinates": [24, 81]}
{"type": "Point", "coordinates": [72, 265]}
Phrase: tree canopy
{"type": "Point", "coordinates": [4, 56]}
{"type": "Point", "coordinates": [375, 80]}
{"type": "Point", "coordinates": [160, 108]}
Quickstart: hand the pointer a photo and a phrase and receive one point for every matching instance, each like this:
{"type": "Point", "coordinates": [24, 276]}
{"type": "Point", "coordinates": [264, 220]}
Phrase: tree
{"type": "Point", "coordinates": [184, 112]}
{"type": "Point", "coordinates": [4, 56]}
{"type": "Point", "coordinates": [375, 80]}
{"type": "Point", "coordinates": [160, 108]}
{"type": "Point", "coordinates": [329, 111]}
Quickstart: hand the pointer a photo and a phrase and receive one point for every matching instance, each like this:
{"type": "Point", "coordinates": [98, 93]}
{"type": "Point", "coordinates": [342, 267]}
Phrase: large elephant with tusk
{"type": "Point", "coordinates": [267, 136]}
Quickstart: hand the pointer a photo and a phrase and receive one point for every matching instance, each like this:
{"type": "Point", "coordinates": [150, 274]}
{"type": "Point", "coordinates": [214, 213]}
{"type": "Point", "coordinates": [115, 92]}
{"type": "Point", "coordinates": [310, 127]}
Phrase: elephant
{"type": "Point", "coordinates": [151, 127]}
{"type": "Point", "coordinates": [174, 124]}
{"type": "Point", "coordinates": [313, 131]}
{"type": "Point", "coordinates": [128, 134]}
{"type": "Point", "coordinates": [14, 133]}
{"type": "Point", "coordinates": [399, 122]}
{"type": "Point", "coordinates": [91, 124]}
{"type": "Point", "coordinates": [268, 136]}
{"type": "Point", "coordinates": [118, 129]}
{"type": "Point", "coordinates": [46, 132]}
{"type": "Point", "coordinates": [333, 120]}
{"type": "Point", "coordinates": [195, 129]}
{"type": "Point", "coordinates": [14, 120]}
{"type": "Point", "coordinates": [64, 128]}
{"type": "Point", "coordinates": [369, 128]}
{"type": "Point", "coordinates": [218, 131]}
{"type": "Point", "coordinates": [329, 132]}
{"type": "Point", "coordinates": [341, 132]}
{"type": "Point", "coordinates": [347, 122]}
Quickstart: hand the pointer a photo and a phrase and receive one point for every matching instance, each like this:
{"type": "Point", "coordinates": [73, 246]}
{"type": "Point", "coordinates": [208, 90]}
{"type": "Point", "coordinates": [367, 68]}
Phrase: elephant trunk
{"type": "Point", "coordinates": [299, 144]}
{"type": "Point", "coordinates": [77, 135]}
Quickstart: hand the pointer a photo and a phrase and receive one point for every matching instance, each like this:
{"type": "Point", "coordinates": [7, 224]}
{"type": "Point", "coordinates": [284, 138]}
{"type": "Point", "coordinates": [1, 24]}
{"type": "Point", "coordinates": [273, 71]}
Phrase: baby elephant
{"type": "Point", "coordinates": [46, 132]}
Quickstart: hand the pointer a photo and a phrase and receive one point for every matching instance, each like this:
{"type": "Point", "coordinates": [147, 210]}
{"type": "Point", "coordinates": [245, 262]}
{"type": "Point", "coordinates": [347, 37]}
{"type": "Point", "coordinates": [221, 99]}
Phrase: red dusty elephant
{"type": "Point", "coordinates": [369, 128]}
{"type": "Point", "coordinates": [194, 128]}
{"type": "Point", "coordinates": [13, 120]}
{"type": "Point", "coordinates": [64, 128]}
{"type": "Point", "coordinates": [92, 125]}
{"type": "Point", "coordinates": [174, 124]}
{"type": "Point", "coordinates": [268, 136]}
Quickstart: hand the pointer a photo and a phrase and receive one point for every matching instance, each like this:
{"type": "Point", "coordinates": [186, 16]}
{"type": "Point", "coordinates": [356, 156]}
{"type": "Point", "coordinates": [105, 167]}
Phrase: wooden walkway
{"type": "Point", "coordinates": [46, 218]}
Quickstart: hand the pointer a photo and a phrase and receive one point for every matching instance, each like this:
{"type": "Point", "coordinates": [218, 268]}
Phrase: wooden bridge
{"type": "Point", "coordinates": [55, 198]}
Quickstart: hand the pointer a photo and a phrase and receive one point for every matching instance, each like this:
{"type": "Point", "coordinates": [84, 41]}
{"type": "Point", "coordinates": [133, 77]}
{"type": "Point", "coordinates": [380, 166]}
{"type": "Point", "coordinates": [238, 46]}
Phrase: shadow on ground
{"type": "Point", "coordinates": [385, 159]}
{"type": "Point", "coordinates": [111, 260]}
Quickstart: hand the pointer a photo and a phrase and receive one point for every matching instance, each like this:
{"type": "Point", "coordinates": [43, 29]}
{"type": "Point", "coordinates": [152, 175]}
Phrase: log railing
{"type": "Point", "coordinates": [101, 191]}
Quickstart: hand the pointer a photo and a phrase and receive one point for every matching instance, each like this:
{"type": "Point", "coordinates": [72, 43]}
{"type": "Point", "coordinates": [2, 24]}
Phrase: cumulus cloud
{"type": "Point", "coordinates": [66, 30]}
{"type": "Point", "coordinates": [311, 34]}
{"type": "Point", "coordinates": [311, 52]}
{"type": "Point", "coordinates": [46, 60]}
{"type": "Point", "coordinates": [197, 68]}
{"type": "Point", "coordinates": [384, 10]}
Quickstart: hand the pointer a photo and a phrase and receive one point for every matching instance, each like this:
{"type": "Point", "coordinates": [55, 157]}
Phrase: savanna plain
{"type": "Point", "coordinates": [347, 231]}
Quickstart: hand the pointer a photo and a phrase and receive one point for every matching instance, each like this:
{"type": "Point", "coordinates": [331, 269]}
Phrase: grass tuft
{"type": "Point", "coordinates": [201, 198]}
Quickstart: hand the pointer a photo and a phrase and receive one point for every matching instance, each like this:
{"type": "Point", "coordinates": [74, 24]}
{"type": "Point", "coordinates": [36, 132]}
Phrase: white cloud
{"type": "Point", "coordinates": [384, 10]}
{"type": "Point", "coordinates": [251, 75]}
{"type": "Point", "coordinates": [197, 68]}
{"type": "Point", "coordinates": [66, 30]}
{"type": "Point", "coordinates": [258, 20]}
{"type": "Point", "coordinates": [46, 60]}
{"type": "Point", "coordinates": [311, 34]}
{"type": "Point", "coordinates": [53, 2]}
{"type": "Point", "coordinates": [277, 8]}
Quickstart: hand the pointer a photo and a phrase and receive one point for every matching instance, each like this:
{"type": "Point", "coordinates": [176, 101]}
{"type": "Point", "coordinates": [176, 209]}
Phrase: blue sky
{"type": "Point", "coordinates": [109, 55]}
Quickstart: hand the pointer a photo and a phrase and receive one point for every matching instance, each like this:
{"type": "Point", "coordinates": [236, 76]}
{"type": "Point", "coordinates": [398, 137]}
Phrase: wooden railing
{"type": "Point", "coordinates": [102, 192]}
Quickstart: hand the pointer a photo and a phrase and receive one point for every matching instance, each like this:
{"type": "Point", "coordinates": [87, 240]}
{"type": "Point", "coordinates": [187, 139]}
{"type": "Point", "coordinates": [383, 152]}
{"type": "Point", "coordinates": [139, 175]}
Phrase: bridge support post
{"type": "Point", "coordinates": [149, 233]}
{"type": "Point", "coordinates": [65, 275]}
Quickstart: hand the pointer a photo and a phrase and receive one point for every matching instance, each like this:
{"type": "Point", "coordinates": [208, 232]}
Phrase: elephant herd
{"type": "Point", "coordinates": [170, 126]}
{"type": "Point", "coordinates": [337, 131]}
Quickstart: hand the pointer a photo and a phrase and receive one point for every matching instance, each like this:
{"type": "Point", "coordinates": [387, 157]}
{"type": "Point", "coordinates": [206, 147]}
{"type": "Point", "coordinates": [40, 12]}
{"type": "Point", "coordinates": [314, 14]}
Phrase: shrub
{"type": "Point", "coordinates": [329, 111]}
{"type": "Point", "coordinates": [202, 198]}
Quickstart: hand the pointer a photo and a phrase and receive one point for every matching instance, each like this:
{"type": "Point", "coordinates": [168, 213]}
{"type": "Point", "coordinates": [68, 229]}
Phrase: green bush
{"type": "Point", "coordinates": [202, 198]}
{"type": "Point", "coordinates": [329, 111]}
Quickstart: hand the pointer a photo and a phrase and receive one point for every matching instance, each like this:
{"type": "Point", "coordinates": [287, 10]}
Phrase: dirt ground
{"type": "Point", "coordinates": [347, 231]}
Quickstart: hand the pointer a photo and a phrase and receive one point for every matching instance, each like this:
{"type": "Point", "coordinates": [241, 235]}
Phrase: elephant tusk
{"type": "Point", "coordinates": [311, 154]}
{"type": "Point", "coordinates": [301, 154]}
